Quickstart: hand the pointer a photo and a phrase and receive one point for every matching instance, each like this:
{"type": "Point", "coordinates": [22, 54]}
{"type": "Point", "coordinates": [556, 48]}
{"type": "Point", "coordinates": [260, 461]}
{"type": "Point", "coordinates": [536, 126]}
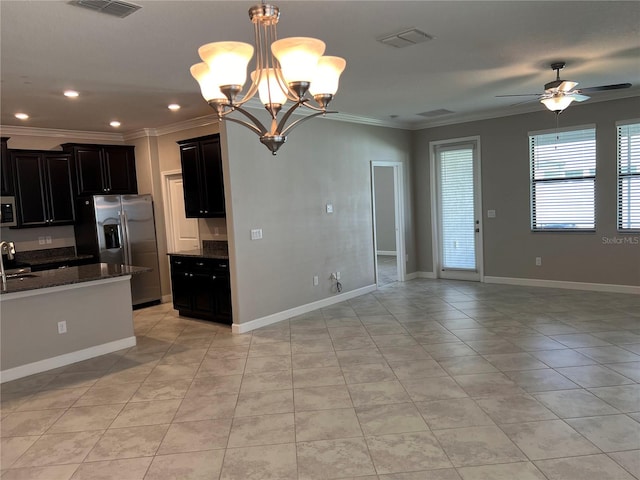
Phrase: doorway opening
{"type": "Point", "coordinates": [456, 209]}
{"type": "Point", "coordinates": [388, 222]}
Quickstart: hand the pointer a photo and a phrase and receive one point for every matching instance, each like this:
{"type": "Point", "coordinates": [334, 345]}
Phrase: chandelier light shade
{"type": "Point", "coordinates": [285, 69]}
{"type": "Point", "coordinates": [558, 102]}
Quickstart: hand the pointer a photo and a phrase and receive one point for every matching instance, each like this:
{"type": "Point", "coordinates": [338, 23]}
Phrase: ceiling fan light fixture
{"type": "Point", "coordinates": [557, 103]}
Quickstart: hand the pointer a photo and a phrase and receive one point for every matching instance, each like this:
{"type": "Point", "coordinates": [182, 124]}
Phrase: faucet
{"type": "Point", "coordinates": [10, 249]}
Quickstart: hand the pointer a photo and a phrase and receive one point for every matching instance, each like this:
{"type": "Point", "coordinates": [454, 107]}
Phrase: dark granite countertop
{"type": "Point", "coordinates": [71, 275]}
{"type": "Point", "coordinates": [199, 252]}
{"type": "Point", "coordinates": [60, 259]}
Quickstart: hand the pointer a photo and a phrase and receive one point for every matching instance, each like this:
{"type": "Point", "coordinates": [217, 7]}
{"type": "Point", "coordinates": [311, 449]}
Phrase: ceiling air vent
{"type": "Point", "coordinates": [405, 38]}
{"type": "Point", "coordinates": [435, 113]}
{"type": "Point", "coordinates": [110, 7]}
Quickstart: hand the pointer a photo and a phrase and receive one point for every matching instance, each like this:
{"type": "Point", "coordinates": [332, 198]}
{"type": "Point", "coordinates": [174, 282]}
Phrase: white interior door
{"type": "Point", "coordinates": [458, 211]}
{"type": "Point", "coordinates": [183, 232]}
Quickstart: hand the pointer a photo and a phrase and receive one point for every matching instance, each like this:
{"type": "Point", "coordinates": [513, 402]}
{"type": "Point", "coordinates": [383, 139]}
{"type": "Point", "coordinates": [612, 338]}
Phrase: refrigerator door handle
{"type": "Point", "coordinates": [125, 234]}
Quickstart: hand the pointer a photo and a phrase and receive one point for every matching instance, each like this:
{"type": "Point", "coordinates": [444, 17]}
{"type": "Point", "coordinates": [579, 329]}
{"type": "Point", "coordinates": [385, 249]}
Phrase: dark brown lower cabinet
{"type": "Point", "coordinates": [201, 288]}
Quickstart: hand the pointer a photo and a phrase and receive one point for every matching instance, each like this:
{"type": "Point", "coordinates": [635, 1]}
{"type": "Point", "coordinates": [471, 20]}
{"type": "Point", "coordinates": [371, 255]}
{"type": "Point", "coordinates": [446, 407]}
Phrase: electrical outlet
{"type": "Point", "coordinates": [329, 207]}
{"type": "Point", "coordinates": [62, 327]}
{"type": "Point", "coordinates": [315, 280]}
{"type": "Point", "coordinates": [338, 275]}
{"type": "Point", "coordinates": [42, 240]}
{"type": "Point", "coordinates": [256, 234]}
{"type": "Point", "coordinates": [48, 240]}
{"type": "Point", "coordinates": [538, 261]}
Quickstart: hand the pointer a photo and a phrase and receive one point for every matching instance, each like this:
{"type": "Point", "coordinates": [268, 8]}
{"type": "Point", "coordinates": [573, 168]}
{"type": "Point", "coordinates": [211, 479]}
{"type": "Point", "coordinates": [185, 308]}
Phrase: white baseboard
{"type": "Point", "coordinates": [167, 299]}
{"type": "Point", "coordinates": [422, 275]}
{"type": "Point", "coordinates": [66, 359]}
{"type": "Point", "coordinates": [388, 253]}
{"type": "Point", "coordinates": [534, 282]}
{"type": "Point", "coordinates": [293, 312]}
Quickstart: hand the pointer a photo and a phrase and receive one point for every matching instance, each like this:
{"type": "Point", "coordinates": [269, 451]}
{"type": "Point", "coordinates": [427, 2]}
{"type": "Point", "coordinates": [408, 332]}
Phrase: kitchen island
{"type": "Point", "coordinates": [57, 317]}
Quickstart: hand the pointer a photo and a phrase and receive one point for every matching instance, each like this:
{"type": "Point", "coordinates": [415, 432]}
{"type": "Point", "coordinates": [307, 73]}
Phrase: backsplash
{"type": "Point", "coordinates": [215, 247]}
{"type": "Point", "coordinates": [27, 239]}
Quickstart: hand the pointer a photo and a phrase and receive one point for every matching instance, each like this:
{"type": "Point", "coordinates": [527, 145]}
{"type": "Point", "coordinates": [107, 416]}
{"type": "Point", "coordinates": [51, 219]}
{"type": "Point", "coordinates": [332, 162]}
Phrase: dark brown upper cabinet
{"type": "Point", "coordinates": [103, 169]}
{"type": "Point", "coordinates": [202, 177]}
{"type": "Point", "coordinates": [44, 188]}
{"type": "Point", "coordinates": [6, 174]}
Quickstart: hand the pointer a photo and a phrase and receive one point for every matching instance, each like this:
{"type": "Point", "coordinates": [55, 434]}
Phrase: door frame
{"type": "Point", "coordinates": [398, 192]}
{"type": "Point", "coordinates": [167, 176]}
{"type": "Point", "coordinates": [435, 227]}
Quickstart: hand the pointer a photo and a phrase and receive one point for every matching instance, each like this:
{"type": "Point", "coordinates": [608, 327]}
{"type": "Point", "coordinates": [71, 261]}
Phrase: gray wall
{"type": "Point", "coordinates": [385, 209]}
{"type": "Point", "coordinates": [322, 162]}
{"type": "Point", "coordinates": [510, 247]}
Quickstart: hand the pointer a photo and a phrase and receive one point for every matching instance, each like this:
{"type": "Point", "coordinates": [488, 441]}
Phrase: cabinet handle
{"type": "Point", "coordinates": [213, 277]}
{"type": "Point", "coordinates": [178, 263]}
{"type": "Point", "coordinates": [186, 274]}
{"type": "Point", "coordinates": [200, 264]}
{"type": "Point", "coordinates": [191, 274]}
{"type": "Point", "coordinates": [223, 265]}
{"type": "Point", "coordinates": [206, 211]}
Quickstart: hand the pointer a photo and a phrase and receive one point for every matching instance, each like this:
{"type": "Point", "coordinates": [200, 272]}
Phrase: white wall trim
{"type": "Point", "coordinates": [536, 282]}
{"type": "Point", "coordinates": [431, 275]}
{"type": "Point", "coordinates": [66, 359]}
{"type": "Point", "coordinates": [9, 130]}
{"type": "Point", "coordinates": [292, 312]}
{"type": "Point", "coordinates": [388, 253]}
{"type": "Point", "coordinates": [167, 299]}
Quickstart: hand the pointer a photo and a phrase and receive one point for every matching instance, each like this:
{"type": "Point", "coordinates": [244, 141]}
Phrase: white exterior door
{"type": "Point", "coordinates": [458, 211]}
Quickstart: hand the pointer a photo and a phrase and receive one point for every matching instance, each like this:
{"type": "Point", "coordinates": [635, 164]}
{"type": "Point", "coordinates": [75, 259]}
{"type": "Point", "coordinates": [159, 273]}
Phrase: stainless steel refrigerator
{"type": "Point", "coordinates": [121, 229]}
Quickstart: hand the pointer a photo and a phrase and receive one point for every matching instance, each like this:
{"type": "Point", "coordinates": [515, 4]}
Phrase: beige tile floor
{"type": "Point", "coordinates": [423, 380]}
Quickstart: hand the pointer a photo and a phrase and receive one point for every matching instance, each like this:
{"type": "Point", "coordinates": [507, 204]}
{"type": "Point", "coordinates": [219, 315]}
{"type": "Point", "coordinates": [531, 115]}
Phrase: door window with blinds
{"type": "Point", "coordinates": [629, 177]}
{"type": "Point", "coordinates": [457, 212]}
{"type": "Point", "coordinates": [563, 174]}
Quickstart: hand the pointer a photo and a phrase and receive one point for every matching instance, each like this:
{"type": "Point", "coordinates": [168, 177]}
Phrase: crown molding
{"type": "Point", "coordinates": [8, 130]}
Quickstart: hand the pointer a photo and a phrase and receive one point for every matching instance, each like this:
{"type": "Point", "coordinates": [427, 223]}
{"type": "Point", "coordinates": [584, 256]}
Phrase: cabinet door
{"type": "Point", "coordinates": [190, 158]}
{"type": "Point", "coordinates": [211, 172]}
{"type": "Point", "coordinates": [120, 170]}
{"type": "Point", "coordinates": [59, 186]}
{"type": "Point", "coordinates": [6, 174]}
{"type": "Point", "coordinates": [181, 291]}
{"type": "Point", "coordinates": [88, 166]}
{"type": "Point", "coordinates": [203, 300]}
{"type": "Point", "coordinates": [30, 189]}
{"type": "Point", "coordinates": [222, 293]}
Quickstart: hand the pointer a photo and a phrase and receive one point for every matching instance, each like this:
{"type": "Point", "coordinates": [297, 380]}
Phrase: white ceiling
{"type": "Point", "coordinates": [130, 69]}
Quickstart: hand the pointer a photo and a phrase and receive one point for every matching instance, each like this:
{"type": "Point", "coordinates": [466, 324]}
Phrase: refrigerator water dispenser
{"type": "Point", "coordinates": [111, 236]}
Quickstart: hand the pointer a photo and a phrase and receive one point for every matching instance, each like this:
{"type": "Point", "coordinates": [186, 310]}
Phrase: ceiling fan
{"type": "Point", "coordinates": [559, 93]}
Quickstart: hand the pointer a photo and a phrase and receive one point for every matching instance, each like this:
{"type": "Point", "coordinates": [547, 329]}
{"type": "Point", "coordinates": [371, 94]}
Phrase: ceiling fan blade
{"type": "Point", "coordinates": [605, 87]}
{"type": "Point", "coordinates": [520, 95]}
{"type": "Point", "coordinates": [530, 100]}
{"type": "Point", "coordinates": [579, 98]}
{"type": "Point", "coordinates": [566, 86]}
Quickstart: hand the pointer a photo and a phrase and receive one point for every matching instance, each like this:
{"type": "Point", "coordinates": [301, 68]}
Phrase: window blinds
{"type": "Point", "coordinates": [563, 171]}
{"type": "Point", "coordinates": [457, 208]}
{"type": "Point", "coordinates": [629, 177]}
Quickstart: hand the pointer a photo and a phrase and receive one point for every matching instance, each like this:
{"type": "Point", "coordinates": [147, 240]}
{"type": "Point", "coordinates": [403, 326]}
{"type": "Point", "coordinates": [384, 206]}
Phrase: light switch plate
{"type": "Point", "coordinates": [256, 234]}
{"type": "Point", "coordinates": [491, 213]}
{"type": "Point", "coordinates": [329, 207]}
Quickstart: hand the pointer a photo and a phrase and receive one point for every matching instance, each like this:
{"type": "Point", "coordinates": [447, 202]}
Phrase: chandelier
{"type": "Point", "coordinates": [285, 70]}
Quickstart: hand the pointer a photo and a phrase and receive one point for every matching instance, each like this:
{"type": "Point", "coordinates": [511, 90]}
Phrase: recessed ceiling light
{"type": "Point", "coordinates": [173, 107]}
{"type": "Point", "coordinates": [71, 93]}
{"type": "Point", "coordinates": [115, 123]}
{"type": "Point", "coordinates": [22, 116]}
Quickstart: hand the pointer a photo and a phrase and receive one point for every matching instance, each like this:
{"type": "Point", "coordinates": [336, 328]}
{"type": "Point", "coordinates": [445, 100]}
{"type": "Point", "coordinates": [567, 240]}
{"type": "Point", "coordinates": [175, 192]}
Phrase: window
{"type": "Point", "coordinates": [629, 177]}
{"type": "Point", "coordinates": [563, 173]}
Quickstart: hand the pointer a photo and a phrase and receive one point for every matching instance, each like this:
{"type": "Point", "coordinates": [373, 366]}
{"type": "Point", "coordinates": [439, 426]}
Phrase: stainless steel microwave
{"type": "Point", "coordinates": [8, 212]}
